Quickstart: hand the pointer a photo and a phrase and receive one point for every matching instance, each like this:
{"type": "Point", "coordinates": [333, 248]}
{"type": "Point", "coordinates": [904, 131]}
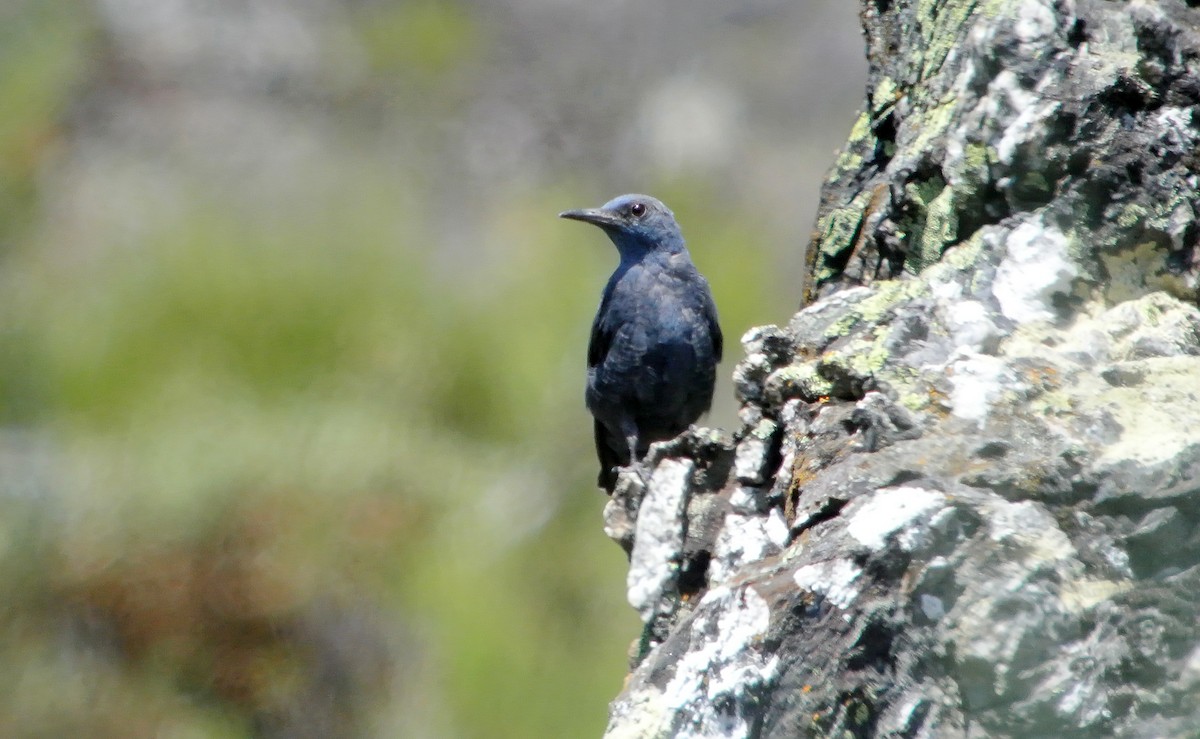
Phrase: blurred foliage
{"type": "Point", "coordinates": [256, 422]}
{"type": "Point", "coordinates": [420, 39]}
{"type": "Point", "coordinates": [282, 476]}
{"type": "Point", "coordinates": [41, 46]}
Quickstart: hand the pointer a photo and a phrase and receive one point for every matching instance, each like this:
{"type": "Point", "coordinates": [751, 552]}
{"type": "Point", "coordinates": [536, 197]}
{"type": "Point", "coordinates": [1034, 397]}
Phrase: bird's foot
{"type": "Point", "coordinates": [629, 487]}
{"type": "Point", "coordinates": [642, 471]}
{"type": "Point", "coordinates": [634, 474]}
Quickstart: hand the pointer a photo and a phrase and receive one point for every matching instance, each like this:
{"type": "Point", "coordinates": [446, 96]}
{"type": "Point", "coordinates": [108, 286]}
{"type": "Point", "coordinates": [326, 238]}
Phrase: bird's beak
{"type": "Point", "coordinates": [595, 216]}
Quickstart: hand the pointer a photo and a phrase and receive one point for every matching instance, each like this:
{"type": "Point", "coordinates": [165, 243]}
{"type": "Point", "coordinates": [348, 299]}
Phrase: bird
{"type": "Point", "coordinates": [656, 339]}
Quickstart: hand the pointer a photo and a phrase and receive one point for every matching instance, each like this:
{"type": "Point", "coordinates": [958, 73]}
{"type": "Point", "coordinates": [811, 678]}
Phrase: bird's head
{"type": "Point", "coordinates": [637, 224]}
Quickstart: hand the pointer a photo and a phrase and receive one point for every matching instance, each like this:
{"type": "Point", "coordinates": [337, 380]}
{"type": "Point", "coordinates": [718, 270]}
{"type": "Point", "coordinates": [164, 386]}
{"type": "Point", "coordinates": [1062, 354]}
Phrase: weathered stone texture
{"type": "Point", "coordinates": [964, 496]}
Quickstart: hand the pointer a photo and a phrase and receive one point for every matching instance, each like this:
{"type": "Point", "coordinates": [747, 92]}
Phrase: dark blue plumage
{"type": "Point", "coordinates": [655, 342]}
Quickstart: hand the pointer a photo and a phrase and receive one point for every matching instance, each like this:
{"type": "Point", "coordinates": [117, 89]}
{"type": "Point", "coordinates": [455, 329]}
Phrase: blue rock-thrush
{"type": "Point", "coordinates": [655, 342]}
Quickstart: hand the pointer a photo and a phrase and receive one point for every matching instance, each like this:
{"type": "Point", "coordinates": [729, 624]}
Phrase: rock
{"type": "Point", "coordinates": [977, 518]}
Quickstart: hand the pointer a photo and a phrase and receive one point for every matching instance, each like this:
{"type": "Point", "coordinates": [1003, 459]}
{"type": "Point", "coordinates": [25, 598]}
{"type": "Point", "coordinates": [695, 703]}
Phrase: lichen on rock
{"type": "Point", "coordinates": [962, 498]}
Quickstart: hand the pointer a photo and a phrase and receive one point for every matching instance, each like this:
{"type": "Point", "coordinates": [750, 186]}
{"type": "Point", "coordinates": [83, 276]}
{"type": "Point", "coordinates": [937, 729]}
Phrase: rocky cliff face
{"type": "Point", "coordinates": [963, 498]}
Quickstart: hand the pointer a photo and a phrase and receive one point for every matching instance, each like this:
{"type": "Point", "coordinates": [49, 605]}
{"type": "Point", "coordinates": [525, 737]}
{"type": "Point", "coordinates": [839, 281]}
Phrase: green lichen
{"type": "Point", "coordinates": [1134, 272]}
{"type": "Point", "coordinates": [1151, 310]}
{"type": "Point", "coordinates": [933, 121]}
{"type": "Point", "coordinates": [860, 139]}
{"type": "Point", "coordinates": [1131, 215]}
{"type": "Point", "coordinates": [862, 359]}
{"type": "Point", "coordinates": [964, 257]}
{"type": "Point", "coordinates": [848, 161]}
{"type": "Point", "coordinates": [959, 264]}
{"type": "Point", "coordinates": [839, 229]}
{"type": "Point", "coordinates": [965, 254]}
{"type": "Point", "coordinates": [764, 430]}
{"type": "Point", "coordinates": [842, 326]}
{"type": "Point", "coordinates": [923, 191]}
{"type": "Point", "coordinates": [872, 309]}
{"type": "Point", "coordinates": [884, 97]}
{"type": "Point", "coordinates": [889, 295]}
{"type": "Point", "coordinates": [914, 400]}
{"type": "Point", "coordinates": [941, 24]}
{"type": "Point", "coordinates": [860, 130]}
{"type": "Point", "coordinates": [1052, 403]}
{"type": "Point", "coordinates": [1032, 186]}
{"type": "Point", "coordinates": [1153, 429]}
{"type": "Point", "coordinates": [1079, 250]}
{"type": "Point", "coordinates": [1162, 212]}
{"type": "Point", "coordinates": [941, 227]}
{"type": "Point", "coordinates": [899, 377]}
{"type": "Point", "coordinates": [797, 380]}
{"type": "Point", "coordinates": [977, 158]}
{"type": "Point", "coordinates": [969, 171]}
{"type": "Point", "coordinates": [934, 226]}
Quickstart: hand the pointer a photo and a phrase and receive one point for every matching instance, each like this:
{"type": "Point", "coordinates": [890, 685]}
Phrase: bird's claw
{"type": "Point", "coordinates": [640, 469]}
{"type": "Point", "coordinates": [643, 472]}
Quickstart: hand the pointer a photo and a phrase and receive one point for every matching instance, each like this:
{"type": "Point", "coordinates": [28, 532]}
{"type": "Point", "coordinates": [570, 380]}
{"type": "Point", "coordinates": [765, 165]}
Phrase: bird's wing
{"type": "Point", "coordinates": [714, 326]}
{"type": "Point", "coordinates": [602, 333]}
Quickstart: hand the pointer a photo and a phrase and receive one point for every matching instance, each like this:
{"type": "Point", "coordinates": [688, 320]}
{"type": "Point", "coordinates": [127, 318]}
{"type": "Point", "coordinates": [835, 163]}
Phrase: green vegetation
{"type": "Point", "coordinates": [246, 450]}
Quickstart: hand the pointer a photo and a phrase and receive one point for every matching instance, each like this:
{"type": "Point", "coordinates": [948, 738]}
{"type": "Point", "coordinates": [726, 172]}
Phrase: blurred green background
{"type": "Point", "coordinates": [292, 440]}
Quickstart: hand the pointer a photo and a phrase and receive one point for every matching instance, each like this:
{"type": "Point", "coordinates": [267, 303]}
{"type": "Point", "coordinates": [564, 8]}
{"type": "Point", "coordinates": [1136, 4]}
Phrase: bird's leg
{"type": "Point", "coordinates": [630, 432]}
{"type": "Point", "coordinates": [638, 465]}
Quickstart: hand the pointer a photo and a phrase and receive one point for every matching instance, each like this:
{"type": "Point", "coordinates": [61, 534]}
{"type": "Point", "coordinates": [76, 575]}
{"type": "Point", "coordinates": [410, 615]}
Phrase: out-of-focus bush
{"type": "Point", "coordinates": [291, 368]}
{"type": "Point", "coordinates": [294, 481]}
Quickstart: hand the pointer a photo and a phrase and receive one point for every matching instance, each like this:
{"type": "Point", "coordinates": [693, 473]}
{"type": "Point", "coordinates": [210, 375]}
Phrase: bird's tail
{"type": "Point", "coordinates": [610, 459]}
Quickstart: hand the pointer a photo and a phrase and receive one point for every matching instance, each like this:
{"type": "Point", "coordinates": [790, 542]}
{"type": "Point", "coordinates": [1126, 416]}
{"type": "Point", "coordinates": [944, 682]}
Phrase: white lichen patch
{"type": "Point", "coordinates": [1159, 417]}
{"type": "Point", "coordinates": [744, 499]}
{"type": "Point", "coordinates": [1143, 408]}
{"type": "Point", "coordinates": [1008, 101]}
{"type": "Point", "coordinates": [834, 579]}
{"type": "Point", "coordinates": [1190, 675]}
{"type": "Point", "coordinates": [743, 539]}
{"type": "Point", "coordinates": [749, 459]}
{"type": "Point", "coordinates": [1176, 124]}
{"type": "Point", "coordinates": [1080, 595]}
{"type": "Point", "coordinates": [1030, 525]}
{"type": "Point", "coordinates": [1154, 324]}
{"type": "Point", "coordinates": [658, 541]}
{"type": "Point", "coordinates": [887, 510]}
{"type": "Point", "coordinates": [1035, 21]}
{"type": "Point", "coordinates": [977, 382]}
{"type": "Point", "coordinates": [723, 664]}
{"type": "Point", "coordinates": [1088, 341]}
{"type": "Point", "coordinates": [1019, 584]}
{"type": "Point", "coordinates": [777, 528]}
{"type": "Point", "coordinates": [1036, 267]}
{"type": "Point", "coordinates": [970, 323]}
{"type": "Point", "coordinates": [638, 714]}
{"type": "Point", "coordinates": [1132, 366]}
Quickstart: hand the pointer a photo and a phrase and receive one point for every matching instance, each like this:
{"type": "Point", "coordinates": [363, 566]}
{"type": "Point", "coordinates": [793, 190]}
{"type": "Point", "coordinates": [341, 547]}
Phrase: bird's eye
{"type": "Point", "coordinates": [638, 209]}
